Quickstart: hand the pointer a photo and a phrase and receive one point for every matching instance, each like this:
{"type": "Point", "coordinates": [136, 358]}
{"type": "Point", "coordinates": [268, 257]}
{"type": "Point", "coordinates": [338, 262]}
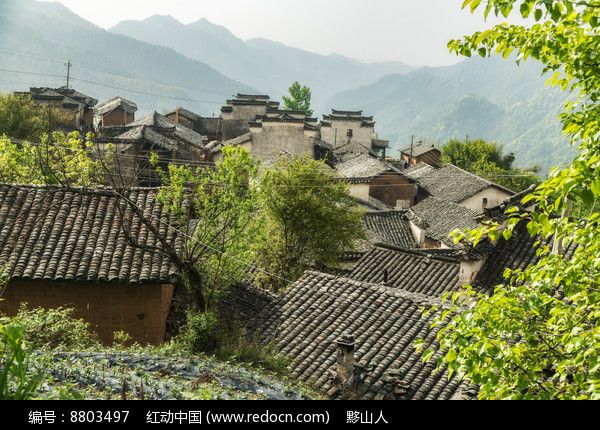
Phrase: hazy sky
{"type": "Point", "coordinates": [413, 31]}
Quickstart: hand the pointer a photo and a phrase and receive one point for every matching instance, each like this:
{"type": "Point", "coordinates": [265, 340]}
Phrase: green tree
{"type": "Point", "coordinates": [299, 99]}
{"type": "Point", "coordinates": [538, 335]}
{"type": "Point", "coordinates": [487, 160]}
{"type": "Point", "coordinates": [310, 218]}
{"type": "Point", "coordinates": [60, 160]}
{"type": "Point", "coordinates": [21, 118]}
{"type": "Point", "coordinates": [222, 205]}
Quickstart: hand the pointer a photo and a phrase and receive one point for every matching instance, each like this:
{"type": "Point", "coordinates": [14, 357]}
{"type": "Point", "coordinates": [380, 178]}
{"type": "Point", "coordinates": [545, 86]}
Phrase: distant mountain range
{"type": "Point", "coordinates": [160, 63]}
{"type": "Point", "coordinates": [36, 38]}
{"type": "Point", "coordinates": [482, 98]}
{"type": "Point", "coordinates": [264, 64]}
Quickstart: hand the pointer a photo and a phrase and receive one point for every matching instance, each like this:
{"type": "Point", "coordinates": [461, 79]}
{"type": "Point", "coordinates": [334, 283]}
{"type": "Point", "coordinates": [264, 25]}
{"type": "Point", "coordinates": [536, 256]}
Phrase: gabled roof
{"type": "Point", "coordinates": [57, 234]}
{"type": "Point", "coordinates": [419, 170]}
{"type": "Point", "coordinates": [154, 128]}
{"type": "Point", "coordinates": [454, 184]}
{"type": "Point", "coordinates": [518, 252]}
{"type": "Point", "coordinates": [114, 103]}
{"type": "Point", "coordinates": [364, 166]}
{"type": "Point", "coordinates": [416, 271]}
{"type": "Point", "coordinates": [69, 96]}
{"type": "Point", "coordinates": [184, 113]}
{"type": "Point", "coordinates": [317, 309]}
{"type": "Point", "coordinates": [419, 150]}
{"type": "Point", "coordinates": [392, 227]}
{"type": "Point", "coordinates": [497, 213]}
{"type": "Point", "coordinates": [438, 218]}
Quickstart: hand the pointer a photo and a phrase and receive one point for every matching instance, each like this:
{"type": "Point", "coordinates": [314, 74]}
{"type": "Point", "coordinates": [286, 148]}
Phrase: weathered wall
{"type": "Point", "coordinates": [362, 135]}
{"type": "Point", "coordinates": [394, 190]}
{"type": "Point", "coordinates": [360, 191]}
{"type": "Point", "coordinates": [140, 310]}
{"type": "Point", "coordinates": [468, 270]}
{"type": "Point", "coordinates": [493, 195]}
{"type": "Point", "coordinates": [245, 112]}
{"type": "Point", "coordinates": [275, 139]}
{"type": "Point", "coordinates": [116, 117]}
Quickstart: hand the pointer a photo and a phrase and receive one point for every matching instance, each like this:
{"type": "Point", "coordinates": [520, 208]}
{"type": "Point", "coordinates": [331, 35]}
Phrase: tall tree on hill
{"type": "Point", "coordinates": [299, 99]}
{"type": "Point", "coordinates": [487, 160]}
{"type": "Point", "coordinates": [538, 335]}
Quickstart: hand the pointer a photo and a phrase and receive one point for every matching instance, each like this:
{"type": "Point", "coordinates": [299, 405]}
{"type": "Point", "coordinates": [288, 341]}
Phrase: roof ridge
{"type": "Point", "coordinates": [98, 189]}
{"type": "Point", "coordinates": [415, 298]}
{"type": "Point", "coordinates": [425, 253]}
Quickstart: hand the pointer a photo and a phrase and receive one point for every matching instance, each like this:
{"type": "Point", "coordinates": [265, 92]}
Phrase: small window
{"type": "Point", "coordinates": [349, 132]}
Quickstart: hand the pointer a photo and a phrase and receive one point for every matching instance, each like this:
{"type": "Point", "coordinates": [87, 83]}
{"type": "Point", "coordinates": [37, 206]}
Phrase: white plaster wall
{"type": "Point", "coordinates": [468, 270]}
{"type": "Point", "coordinates": [494, 196]}
{"type": "Point", "coordinates": [362, 135]}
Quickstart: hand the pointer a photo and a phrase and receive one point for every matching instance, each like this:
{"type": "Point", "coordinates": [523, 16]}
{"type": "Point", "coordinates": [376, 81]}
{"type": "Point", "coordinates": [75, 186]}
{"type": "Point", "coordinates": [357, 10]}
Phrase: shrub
{"type": "Point", "coordinates": [55, 329]}
{"type": "Point", "coordinates": [18, 379]}
{"type": "Point", "coordinates": [244, 349]}
{"type": "Point", "coordinates": [200, 332]}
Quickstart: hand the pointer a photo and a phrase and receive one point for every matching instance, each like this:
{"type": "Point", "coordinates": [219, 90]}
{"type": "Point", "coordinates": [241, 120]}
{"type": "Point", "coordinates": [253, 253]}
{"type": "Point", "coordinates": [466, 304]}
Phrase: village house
{"type": "Point", "coordinates": [276, 133]}
{"type": "Point", "coordinates": [351, 339]}
{"type": "Point", "coordinates": [370, 177]}
{"type": "Point", "coordinates": [155, 133]}
{"type": "Point", "coordinates": [206, 126]}
{"type": "Point", "coordinates": [75, 108]}
{"type": "Point", "coordinates": [391, 227]}
{"type": "Point", "coordinates": [87, 249]}
{"type": "Point", "coordinates": [432, 220]}
{"type": "Point", "coordinates": [351, 134]}
{"type": "Point", "coordinates": [240, 111]}
{"type": "Point", "coordinates": [116, 112]}
{"type": "Point", "coordinates": [416, 154]}
{"type": "Point", "coordinates": [455, 185]}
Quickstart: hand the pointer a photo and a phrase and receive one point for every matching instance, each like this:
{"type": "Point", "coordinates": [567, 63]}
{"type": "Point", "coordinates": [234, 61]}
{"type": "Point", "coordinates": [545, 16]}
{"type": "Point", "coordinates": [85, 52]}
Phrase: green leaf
{"type": "Point", "coordinates": [538, 14]}
{"type": "Point", "coordinates": [532, 228]}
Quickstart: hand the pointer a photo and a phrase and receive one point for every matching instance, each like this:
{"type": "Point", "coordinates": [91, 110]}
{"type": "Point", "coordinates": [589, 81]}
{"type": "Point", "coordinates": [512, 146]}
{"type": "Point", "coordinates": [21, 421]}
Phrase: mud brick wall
{"type": "Point", "coordinates": [140, 310]}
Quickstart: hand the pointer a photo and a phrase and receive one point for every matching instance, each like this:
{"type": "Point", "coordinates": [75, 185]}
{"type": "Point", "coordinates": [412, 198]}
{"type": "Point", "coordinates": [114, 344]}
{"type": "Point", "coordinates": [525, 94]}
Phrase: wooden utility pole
{"type": "Point", "coordinates": [68, 64]}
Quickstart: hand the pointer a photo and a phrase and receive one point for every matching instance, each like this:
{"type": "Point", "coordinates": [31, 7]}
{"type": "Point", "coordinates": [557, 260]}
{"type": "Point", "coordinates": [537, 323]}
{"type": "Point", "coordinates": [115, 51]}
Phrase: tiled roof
{"type": "Point", "coordinates": [419, 150]}
{"type": "Point", "coordinates": [52, 233]}
{"type": "Point", "coordinates": [516, 253]}
{"type": "Point", "coordinates": [68, 96]}
{"type": "Point", "coordinates": [319, 308]}
{"type": "Point", "coordinates": [363, 166]}
{"type": "Point", "coordinates": [416, 271]}
{"type": "Point", "coordinates": [154, 128]}
{"type": "Point", "coordinates": [454, 184]}
{"type": "Point", "coordinates": [114, 103]}
{"type": "Point", "coordinates": [439, 218]}
{"type": "Point", "coordinates": [419, 170]}
{"type": "Point", "coordinates": [498, 213]}
{"type": "Point", "coordinates": [391, 227]}
{"type": "Point", "coordinates": [373, 204]}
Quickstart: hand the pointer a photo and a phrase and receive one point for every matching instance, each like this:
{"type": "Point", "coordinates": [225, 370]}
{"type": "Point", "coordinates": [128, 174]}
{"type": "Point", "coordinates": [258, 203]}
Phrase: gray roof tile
{"type": "Point", "coordinates": [53, 233]}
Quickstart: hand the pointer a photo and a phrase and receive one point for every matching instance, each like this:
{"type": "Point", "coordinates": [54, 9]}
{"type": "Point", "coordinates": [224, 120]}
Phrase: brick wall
{"type": "Point", "coordinates": [140, 310]}
{"type": "Point", "coordinates": [116, 117]}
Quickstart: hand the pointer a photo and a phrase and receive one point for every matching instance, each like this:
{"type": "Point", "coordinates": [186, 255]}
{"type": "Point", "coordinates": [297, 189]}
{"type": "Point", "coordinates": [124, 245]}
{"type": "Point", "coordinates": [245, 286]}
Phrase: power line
{"type": "Point", "coordinates": [109, 72]}
{"type": "Point", "coordinates": [214, 102]}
